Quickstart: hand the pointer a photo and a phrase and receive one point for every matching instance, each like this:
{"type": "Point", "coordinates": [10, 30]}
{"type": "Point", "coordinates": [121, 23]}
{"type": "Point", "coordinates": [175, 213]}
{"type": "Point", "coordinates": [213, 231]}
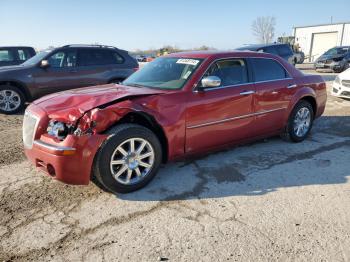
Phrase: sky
{"type": "Point", "coordinates": [148, 24]}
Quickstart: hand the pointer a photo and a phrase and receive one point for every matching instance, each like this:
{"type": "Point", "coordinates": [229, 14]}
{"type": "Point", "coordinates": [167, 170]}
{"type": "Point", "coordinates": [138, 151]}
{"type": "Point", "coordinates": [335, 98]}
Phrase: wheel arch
{"type": "Point", "coordinates": [20, 86]}
{"type": "Point", "coordinates": [148, 121]}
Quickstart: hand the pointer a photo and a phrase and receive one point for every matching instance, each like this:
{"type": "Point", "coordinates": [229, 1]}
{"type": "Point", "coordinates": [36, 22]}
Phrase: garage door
{"type": "Point", "coordinates": [321, 42]}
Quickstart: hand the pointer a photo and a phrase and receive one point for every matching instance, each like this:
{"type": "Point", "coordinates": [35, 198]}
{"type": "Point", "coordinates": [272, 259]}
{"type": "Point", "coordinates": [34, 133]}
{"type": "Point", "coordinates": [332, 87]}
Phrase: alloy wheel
{"type": "Point", "coordinates": [132, 161]}
{"type": "Point", "coordinates": [9, 100]}
{"type": "Point", "coordinates": [302, 122]}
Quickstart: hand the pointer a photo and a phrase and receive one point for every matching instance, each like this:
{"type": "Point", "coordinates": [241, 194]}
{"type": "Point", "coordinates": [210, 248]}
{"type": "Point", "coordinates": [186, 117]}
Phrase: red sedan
{"type": "Point", "coordinates": [176, 106]}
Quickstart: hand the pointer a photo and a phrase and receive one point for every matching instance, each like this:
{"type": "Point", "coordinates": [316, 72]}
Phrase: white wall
{"type": "Point", "coordinates": [303, 35]}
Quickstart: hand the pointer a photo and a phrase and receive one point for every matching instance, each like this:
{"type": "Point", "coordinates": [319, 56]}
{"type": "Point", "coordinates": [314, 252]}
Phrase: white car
{"type": "Point", "coordinates": [341, 85]}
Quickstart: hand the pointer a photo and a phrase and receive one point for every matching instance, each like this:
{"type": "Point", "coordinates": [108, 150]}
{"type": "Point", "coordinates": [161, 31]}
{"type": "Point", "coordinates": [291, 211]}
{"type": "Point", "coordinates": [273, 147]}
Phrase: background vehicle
{"type": "Point", "coordinates": [15, 55]}
{"type": "Point", "coordinates": [281, 50]}
{"type": "Point", "coordinates": [336, 59]}
{"type": "Point", "coordinates": [67, 67]}
{"type": "Point", "coordinates": [341, 85]}
{"type": "Point", "coordinates": [167, 110]}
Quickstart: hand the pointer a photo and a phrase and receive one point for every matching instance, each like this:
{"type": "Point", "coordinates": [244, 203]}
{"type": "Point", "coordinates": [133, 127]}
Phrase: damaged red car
{"type": "Point", "coordinates": [177, 106]}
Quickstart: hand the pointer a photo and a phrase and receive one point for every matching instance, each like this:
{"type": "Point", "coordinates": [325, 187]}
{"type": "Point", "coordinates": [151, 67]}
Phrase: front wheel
{"type": "Point", "coordinates": [129, 159]}
{"type": "Point", "coordinates": [299, 122]}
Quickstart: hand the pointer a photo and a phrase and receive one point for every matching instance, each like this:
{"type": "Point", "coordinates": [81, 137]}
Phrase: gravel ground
{"type": "Point", "coordinates": [267, 201]}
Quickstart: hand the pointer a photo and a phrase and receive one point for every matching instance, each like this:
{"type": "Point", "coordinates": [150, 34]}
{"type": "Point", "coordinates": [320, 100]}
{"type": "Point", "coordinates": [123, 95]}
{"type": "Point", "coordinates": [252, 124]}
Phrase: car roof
{"type": "Point", "coordinates": [258, 46]}
{"type": "Point", "coordinates": [16, 47]}
{"type": "Point", "coordinates": [218, 54]}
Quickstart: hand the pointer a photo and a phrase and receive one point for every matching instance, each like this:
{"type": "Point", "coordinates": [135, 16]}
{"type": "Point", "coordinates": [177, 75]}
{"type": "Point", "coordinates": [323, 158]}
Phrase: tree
{"type": "Point", "coordinates": [264, 28]}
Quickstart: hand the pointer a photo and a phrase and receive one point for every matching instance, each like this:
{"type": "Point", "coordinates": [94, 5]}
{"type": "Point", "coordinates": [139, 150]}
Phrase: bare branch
{"type": "Point", "coordinates": [264, 29]}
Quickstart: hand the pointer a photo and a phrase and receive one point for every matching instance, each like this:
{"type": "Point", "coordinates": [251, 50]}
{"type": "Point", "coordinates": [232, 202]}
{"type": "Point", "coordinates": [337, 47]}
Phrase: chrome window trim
{"type": "Point", "coordinates": [194, 90]}
{"type": "Point", "coordinates": [235, 118]}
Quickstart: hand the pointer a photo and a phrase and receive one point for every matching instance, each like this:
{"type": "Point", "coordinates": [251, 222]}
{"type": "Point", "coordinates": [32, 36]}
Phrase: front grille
{"type": "Point", "coordinates": [29, 127]}
{"type": "Point", "coordinates": [345, 93]}
{"type": "Point", "coordinates": [346, 83]}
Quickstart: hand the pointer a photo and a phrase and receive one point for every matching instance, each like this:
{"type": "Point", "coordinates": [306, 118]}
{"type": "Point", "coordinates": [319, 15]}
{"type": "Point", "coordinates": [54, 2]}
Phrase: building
{"type": "Point", "coordinates": [314, 40]}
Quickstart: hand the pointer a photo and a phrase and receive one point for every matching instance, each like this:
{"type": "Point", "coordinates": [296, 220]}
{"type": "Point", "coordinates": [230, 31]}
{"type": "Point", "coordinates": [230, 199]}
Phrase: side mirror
{"type": "Point", "coordinates": [44, 64]}
{"type": "Point", "coordinates": [211, 81]}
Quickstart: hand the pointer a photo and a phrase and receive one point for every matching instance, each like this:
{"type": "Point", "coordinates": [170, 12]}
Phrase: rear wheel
{"type": "Point", "coordinates": [299, 122]}
{"type": "Point", "coordinates": [12, 99]}
{"type": "Point", "coordinates": [129, 159]}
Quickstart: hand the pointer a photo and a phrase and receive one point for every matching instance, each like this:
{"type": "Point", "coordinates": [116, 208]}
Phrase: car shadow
{"type": "Point", "coordinates": [258, 168]}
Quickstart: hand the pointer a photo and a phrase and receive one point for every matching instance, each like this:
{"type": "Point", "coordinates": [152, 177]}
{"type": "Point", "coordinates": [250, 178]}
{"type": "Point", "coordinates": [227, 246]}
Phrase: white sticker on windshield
{"type": "Point", "coordinates": [187, 61]}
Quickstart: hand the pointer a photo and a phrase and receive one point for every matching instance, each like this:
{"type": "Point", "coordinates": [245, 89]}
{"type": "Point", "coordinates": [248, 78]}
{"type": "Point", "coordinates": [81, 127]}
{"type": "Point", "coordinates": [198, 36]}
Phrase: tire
{"type": "Point", "coordinates": [12, 100]}
{"type": "Point", "coordinates": [111, 176]}
{"type": "Point", "coordinates": [299, 135]}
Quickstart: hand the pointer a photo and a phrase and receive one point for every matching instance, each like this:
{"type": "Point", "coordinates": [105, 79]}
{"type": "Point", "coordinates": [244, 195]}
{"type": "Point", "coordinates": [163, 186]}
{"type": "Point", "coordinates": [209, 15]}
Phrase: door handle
{"type": "Point", "coordinates": [244, 93]}
{"type": "Point", "coordinates": [291, 86]}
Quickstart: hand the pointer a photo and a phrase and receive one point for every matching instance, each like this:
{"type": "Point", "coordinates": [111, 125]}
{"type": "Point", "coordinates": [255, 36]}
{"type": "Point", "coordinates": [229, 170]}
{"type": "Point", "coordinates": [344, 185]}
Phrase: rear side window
{"type": "Point", "coordinates": [268, 69]}
{"type": "Point", "coordinates": [6, 56]}
{"type": "Point", "coordinates": [230, 71]}
{"type": "Point", "coordinates": [284, 50]}
{"type": "Point", "coordinates": [91, 57]}
{"type": "Point", "coordinates": [118, 59]}
{"type": "Point", "coordinates": [270, 50]}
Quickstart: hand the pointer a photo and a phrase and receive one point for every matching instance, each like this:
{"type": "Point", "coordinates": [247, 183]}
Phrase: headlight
{"type": "Point", "coordinates": [337, 80]}
{"type": "Point", "coordinates": [57, 129]}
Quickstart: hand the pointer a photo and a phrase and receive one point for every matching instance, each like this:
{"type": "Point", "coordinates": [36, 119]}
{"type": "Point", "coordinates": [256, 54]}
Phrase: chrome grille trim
{"type": "Point", "coordinates": [346, 83]}
{"type": "Point", "coordinates": [30, 124]}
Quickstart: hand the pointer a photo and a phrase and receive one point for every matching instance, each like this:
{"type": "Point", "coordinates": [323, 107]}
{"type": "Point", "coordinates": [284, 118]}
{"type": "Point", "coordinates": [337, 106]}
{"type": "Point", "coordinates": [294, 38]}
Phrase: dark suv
{"type": "Point", "coordinates": [15, 55]}
{"type": "Point", "coordinates": [67, 67]}
{"type": "Point", "coordinates": [282, 50]}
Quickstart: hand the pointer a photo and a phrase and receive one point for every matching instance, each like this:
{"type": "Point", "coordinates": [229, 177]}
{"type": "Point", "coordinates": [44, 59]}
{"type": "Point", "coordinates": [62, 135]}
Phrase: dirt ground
{"type": "Point", "coordinates": [267, 201]}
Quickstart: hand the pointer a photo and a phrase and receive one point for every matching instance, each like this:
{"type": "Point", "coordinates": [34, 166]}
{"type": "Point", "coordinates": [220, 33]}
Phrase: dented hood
{"type": "Point", "coordinates": [72, 104]}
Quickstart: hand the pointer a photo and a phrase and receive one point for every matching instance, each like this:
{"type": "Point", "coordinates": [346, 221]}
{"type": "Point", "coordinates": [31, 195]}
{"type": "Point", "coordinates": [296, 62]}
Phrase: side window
{"type": "Point", "coordinates": [6, 55]}
{"type": "Point", "coordinates": [63, 59]}
{"type": "Point", "coordinates": [90, 57]}
{"type": "Point", "coordinates": [270, 50]}
{"type": "Point", "coordinates": [23, 54]}
{"type": "Point", "coordinates": [231, 72]}
{"type": "Point", "coordinates": [118, 59]}
{"type": "Point", "coordinates": [284, 50]}
{"type": "Point", "coordinates": [268, 69]}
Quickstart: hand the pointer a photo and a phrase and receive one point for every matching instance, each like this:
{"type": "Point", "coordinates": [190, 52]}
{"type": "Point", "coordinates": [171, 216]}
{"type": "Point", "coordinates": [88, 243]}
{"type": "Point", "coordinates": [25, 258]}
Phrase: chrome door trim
{"type": "Point", "coordinates": [235, 118]}
{"type": "Point", "coordinates": [248, 92]}
{"type": "Point", "coordinates": [290, 86]}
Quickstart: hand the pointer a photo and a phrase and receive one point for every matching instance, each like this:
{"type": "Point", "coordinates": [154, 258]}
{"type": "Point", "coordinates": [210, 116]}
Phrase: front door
{"type": "Point", "coordinates": [224, 114]}
{"type": "Point", "coordinates": [61, 74]}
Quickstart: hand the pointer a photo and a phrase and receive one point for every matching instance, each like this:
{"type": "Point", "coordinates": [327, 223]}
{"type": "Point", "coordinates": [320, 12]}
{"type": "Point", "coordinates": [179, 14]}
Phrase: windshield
{"type": "Point", "coordinates": [35, 59]}
{"type": "Point", "coordinates": [337, 51]}
{"type": "Point", "coordinates": [164, 73]}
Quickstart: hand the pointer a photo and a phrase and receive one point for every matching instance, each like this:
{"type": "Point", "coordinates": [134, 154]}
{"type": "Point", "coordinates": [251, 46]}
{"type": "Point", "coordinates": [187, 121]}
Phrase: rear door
{"type": "Point", "coordinates": [220, 115]}
{"type": "Point", "coordinates": [95, 65]}
{"type": "Point", "coordinates": [274, 88]}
